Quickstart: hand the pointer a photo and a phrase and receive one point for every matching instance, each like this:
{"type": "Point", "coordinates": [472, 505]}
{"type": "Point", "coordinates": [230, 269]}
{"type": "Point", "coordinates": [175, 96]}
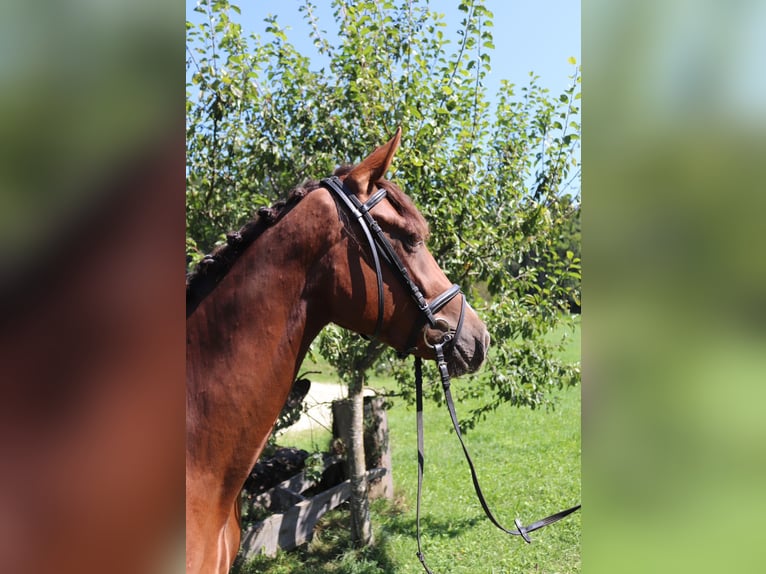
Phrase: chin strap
{"type": "Point", "coordinates": [520, 529]}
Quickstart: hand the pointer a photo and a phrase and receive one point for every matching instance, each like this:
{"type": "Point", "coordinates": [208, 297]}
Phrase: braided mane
{"type": "Point", "coordinates": [214, 266]}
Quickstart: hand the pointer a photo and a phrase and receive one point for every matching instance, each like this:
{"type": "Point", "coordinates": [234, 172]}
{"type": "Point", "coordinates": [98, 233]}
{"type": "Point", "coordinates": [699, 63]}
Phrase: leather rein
{"type": "Point", "coordinates": [381, 247]}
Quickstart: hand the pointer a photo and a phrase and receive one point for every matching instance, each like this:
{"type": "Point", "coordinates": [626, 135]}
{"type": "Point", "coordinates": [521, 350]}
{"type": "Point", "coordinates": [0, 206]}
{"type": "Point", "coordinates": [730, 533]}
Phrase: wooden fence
{"type": "Point", "coordinates": [297, 515]}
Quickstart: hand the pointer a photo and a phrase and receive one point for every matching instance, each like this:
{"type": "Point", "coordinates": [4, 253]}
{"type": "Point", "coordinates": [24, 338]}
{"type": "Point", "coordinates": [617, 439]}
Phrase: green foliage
{"type": "Point", "coordinates": [497, 179]}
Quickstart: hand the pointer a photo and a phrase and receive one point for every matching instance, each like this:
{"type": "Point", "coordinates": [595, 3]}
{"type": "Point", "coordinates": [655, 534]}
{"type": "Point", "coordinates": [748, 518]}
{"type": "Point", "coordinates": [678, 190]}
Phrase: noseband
{"type": "Point", "coordinates": [380, 247]}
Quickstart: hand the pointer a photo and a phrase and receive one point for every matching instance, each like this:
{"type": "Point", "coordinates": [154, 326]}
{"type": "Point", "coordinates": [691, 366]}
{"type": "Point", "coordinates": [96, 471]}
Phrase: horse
{"type": "Point", "coordinates": [255, 305]}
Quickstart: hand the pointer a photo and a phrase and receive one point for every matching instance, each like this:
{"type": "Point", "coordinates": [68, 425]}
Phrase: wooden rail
{"type": "Point", "coordinates": [295, 526]}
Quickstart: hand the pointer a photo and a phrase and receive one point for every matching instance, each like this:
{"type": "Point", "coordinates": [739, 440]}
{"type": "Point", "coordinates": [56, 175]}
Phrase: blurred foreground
{"type": "Point", "coordinates": [91, 273]}
{"type": "Point", "coordinates": [674, 334]}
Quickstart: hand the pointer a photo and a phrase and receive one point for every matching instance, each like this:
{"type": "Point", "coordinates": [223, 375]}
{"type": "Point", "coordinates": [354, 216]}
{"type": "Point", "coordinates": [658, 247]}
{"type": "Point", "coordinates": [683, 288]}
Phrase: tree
{"type": "Point", "coordinates": [493, 178]}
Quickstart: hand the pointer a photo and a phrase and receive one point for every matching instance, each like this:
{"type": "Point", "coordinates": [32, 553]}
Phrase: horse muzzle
{"type": "Point", "coordinates": [466, 344]}
{"type": "Point", "coordinates": [469, 349]}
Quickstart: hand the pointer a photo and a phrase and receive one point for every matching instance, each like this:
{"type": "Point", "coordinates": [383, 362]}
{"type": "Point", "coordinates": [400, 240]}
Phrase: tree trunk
{"type": "Point", "coordinates": [350, 427]}
{"type": "Point", "coordinates": [361, 528]}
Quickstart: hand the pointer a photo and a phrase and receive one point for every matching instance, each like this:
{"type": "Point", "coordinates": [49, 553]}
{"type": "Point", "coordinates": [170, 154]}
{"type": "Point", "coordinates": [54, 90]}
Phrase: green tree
{"type": "Point", "coordinates": [497, 179]}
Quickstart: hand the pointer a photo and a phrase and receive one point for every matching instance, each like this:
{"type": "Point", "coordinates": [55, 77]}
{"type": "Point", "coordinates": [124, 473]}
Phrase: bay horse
{"type": "Point", "coordinates": [256, 304]}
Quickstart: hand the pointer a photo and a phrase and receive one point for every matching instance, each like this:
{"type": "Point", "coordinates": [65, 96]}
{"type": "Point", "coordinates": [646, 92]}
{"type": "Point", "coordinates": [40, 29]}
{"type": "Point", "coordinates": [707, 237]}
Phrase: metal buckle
{"type": "Point", "coordinates": [522, 531]}
{"type": "Point", "coordinates": [442, 325]}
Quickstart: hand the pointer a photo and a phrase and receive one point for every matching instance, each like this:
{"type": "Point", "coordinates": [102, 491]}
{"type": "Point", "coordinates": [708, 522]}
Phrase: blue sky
{"type": "Point", "coordinates": [529, 35]}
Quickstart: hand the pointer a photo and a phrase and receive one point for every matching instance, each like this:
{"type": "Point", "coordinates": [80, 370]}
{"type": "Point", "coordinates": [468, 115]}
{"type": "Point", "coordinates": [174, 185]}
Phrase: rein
{"type": "Point", "coordinates": [520, 530]}
{"type": "Point", "coordinates": [381, 247]}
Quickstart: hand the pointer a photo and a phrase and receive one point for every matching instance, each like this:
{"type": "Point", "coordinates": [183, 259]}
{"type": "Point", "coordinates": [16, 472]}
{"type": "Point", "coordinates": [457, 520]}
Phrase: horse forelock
{"type": "Point", "coordinates": [400, 201]}
{"type": "Point", "coordinates": [405, 207]}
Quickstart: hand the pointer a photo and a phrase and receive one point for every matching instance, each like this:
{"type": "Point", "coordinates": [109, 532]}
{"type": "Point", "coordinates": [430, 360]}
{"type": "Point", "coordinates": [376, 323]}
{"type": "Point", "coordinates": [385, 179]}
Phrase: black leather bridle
{"type": "Point", "coordinates": [380, 247]}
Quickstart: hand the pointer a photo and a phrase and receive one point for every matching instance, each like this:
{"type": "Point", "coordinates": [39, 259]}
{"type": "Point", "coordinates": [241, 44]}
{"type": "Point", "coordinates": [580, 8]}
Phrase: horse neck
{"type": "Point", "coordinates": [264, 300]}
{"type": "Point", "coordinates": [247, 339]}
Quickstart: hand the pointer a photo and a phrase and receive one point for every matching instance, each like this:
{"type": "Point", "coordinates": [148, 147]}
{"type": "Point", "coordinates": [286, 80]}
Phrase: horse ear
{"type": "Point", "coordinates": [373, 167]}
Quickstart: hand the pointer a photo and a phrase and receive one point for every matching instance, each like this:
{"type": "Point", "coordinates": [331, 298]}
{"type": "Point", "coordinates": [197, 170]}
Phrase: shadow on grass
{"type": "Point", "coordinates": [330, 551]}
{"type": "Point", "coordinates": [430, 526]}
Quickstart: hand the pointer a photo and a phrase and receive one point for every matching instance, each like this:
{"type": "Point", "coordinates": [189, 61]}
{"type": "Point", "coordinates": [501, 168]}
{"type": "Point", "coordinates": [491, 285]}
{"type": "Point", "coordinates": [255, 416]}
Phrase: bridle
{"type": "Point", "coordinates": [380, 247]}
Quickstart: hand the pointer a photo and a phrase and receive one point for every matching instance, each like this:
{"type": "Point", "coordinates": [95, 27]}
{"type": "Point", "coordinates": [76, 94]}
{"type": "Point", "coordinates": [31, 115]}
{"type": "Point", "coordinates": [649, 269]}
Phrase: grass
{"type": "Point", "coordinates": [529, 466]}
{"type": "Point", "coordinates": [315, 439]}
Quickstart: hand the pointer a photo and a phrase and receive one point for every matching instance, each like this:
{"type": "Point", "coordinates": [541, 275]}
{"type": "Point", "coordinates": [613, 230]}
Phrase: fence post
{"type": "Point", "coordinates": [377, 448]}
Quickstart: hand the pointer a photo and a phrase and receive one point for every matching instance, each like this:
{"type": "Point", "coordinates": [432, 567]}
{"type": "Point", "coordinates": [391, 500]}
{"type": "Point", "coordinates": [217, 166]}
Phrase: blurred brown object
{"type": "Point", "coordinates": [92, 383]}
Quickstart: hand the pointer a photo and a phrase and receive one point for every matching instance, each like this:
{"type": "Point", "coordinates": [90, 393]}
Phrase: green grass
{"type": "Point", "coordinates": [529, 466]}
{"type": "Point", "coordinates": [315, 439]}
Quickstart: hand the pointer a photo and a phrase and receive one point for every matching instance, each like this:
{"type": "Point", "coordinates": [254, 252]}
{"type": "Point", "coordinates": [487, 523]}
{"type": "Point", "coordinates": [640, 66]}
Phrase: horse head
{"type": "Point", "coordinates": [391, 304]}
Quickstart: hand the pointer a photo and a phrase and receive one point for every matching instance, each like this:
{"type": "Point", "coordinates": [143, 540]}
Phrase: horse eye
{"type": "Point", "coordinates": [413, 241]}
{"type": "Point", "coordinates": [410, 241]}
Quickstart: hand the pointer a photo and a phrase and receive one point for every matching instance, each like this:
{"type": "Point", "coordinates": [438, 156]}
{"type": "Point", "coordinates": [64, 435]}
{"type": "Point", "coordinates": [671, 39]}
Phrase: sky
{"type": "Point", "coordinates": [529, 35]}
